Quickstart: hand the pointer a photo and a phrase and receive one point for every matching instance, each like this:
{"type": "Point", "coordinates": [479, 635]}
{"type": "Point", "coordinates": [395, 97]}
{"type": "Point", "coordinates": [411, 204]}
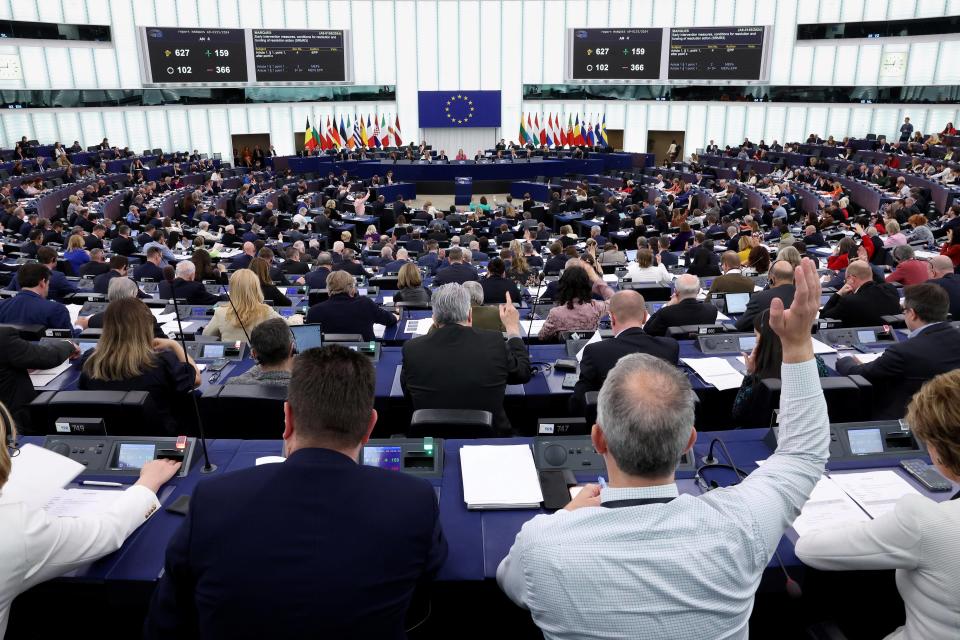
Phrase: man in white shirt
{"type": "Point", "coordinates": [635, 558]}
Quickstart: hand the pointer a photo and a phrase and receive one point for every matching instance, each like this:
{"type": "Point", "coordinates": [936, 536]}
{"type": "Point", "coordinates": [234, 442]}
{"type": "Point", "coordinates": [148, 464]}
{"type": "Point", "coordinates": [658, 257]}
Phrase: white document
{"type": "Point", "coordinates": [163, 318]}
{"type": "Point", "coordinates": [500, 477]}
{"type": "Point", "coordinates": [418, 327]}
{"type": "Point", "coordinates": [876, 491]}
{"type": "Point", "coordinates": [822, 347]}
{"type": "Point", "coordinates": [535, 326]}
{"type": "Point", "coordinates": [269, 460]}
{"type": "Point", "coordinates": [174, 327]}
{"type": "Point", "coordinates": [74, 311]}
{"type": "Point", "coordinates": [37, 475]}
{"type": "Point", "coordinates": [596, 338]}
{"type": "Point", "coordinates": [722, 317]}
{"type": "Point", "coordinates": [75, 503]}
{"type": "Point", "coordinates": [867, 357]}
{"type": "Point", "coordinates": [43, 377]}
{"type": "Point", "coordinates": [610, 278]}
{"type": "Point", "coordinates": [378, 330]}
{"type": "Point", "coordinates": [387, 300]}
{"type": "Point", "coordinates": [827, 508]}
{"type": "Point", "coordinates": [715, 371]}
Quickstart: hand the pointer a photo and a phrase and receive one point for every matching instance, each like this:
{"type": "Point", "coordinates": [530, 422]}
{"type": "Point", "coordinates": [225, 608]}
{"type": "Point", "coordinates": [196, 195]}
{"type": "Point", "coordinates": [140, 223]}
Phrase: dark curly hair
{"type": "Point", "coordinates": [574, 287]}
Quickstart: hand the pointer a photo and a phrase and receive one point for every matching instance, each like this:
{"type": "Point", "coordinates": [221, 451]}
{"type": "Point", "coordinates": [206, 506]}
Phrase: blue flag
{"type": "Point", "coordinates": [456, 109]}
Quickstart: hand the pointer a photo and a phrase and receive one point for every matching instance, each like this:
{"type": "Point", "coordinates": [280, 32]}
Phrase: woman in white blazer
{"type": "Point", "coordinates": [920, 538]}
{"type": "Point", "coordinates": [35, 547]}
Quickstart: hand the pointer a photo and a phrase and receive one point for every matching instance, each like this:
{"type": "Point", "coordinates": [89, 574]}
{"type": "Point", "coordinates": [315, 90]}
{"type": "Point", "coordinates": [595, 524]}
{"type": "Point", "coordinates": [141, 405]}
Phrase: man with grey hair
{"type": "Point", "coordinates": [630, 570]}
{"type": "Point", "coordinates": [185, 288]}
{"type": "Point", "coordinates": [118, 289]}
{"type": "Point", "coordinates": [487, 318]}
{"type": "Point", "coordinates": [456, 271]}
{"type": "Point", "coordinates": [628, 313]}
{"type": "Point", "coordinates": [909, 270]}
{"type": "Point", "coordinates": [430, 383]}
{"type": "Point", "coordinates": [317, 279]}
{"type": "Point", "coordinates": [346, 312]}
{"type": "Point", "coordinates": [781, 286]}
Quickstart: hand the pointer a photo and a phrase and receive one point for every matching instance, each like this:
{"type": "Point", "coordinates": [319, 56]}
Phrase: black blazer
{"type": "Point", "coordinates": [94, 269]}
{"type": "Point", "coordinates": [677, 315]}
{"type": "Point", "coordinates": [426, 378]}
{"type": "Point", "coordinates": [458, 273]}
{"type": "Point", "coordinates": [600, 357]}
{"type": "Point", "coordinates": [495, 290]}
{"type": "Point", "coordinates": [148, 270]}
{"type": "Point", "coordinates": [865, 307]}
{"type": "Point", "coordinates": [192, 291]}
{"type": "Point", "coordinates": [123, 246]}
{"type": "Point", "coordinates": [347, 567]}
{"type": "Point", "coordinates": [761, 301]}
{"type": "Point", "coordinates": [951, 282]}
{"type": "Point", "coordinates": [905, 366]}
{"type": "Point", "coordinates": [16, 357]}
{"type": "Point", "coordinates": [343, 314]}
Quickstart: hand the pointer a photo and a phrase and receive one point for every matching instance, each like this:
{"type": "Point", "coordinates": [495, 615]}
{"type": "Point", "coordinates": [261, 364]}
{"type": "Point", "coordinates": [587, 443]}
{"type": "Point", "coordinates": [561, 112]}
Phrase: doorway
{"type": "Point", "coordinates": [248, 141]}
{"type": "Point", "coordinates": [658, 143]}
{"type": "Point", "coordinates": [615, 139]}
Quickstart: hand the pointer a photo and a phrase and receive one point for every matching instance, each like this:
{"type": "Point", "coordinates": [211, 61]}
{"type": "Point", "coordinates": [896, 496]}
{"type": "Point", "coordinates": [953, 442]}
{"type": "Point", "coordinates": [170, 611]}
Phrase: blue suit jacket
{"type": "Point", "coordinates": [60, 287]}
{"type": "Point", "coordinates": [28, 308]}
{"type": "Point", "coordinates": [343, 314]}
{"type": "Point", "coordinates": [314, 547]}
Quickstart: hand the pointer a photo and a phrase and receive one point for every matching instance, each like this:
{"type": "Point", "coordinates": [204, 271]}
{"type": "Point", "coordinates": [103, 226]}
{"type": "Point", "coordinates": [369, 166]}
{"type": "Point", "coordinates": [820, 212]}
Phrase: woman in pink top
{"type": "Point", "coordinates": [576, 310]}
{"type": "Point", "coordinates": [360, 203]}
{"type": "Point", "coordinates": [894, 237]}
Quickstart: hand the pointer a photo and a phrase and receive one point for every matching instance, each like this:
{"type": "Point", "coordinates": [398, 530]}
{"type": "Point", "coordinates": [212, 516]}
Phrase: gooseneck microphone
{"type": "Point", "coordinates": [208, 467]}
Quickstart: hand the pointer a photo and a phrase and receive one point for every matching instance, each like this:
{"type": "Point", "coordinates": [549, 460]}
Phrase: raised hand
{"type": "Point", "coordinates": [794, 325]}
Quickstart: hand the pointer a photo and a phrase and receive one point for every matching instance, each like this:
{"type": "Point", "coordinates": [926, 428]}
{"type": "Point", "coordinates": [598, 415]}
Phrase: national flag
{"type": "Point", "coordinates": [332, 132]}
{"type": "Point", "coordinates": [562, 134]}
{"type": "Point", "coordinates": [351, 137]}
{"type": "Point", "coordinates": [370, 136]}
{"type": "Point", "coordinates": [547, 126]}
{"type": "Point", "coordinates": [309, 142]}
{"type": "Point", "coordinates": [589, 135]}
{"type": "Point", "coordinates": [357, 140]}
{"type": "Point", "coordinates": [603, 132]}
{"type": "Point", "coordinates": [376, 133]}
{"type": "Point", "coordinates": [385, 140]}
{"type": "Point", "coordinates": [523, 132]}
{"type": "Point", "coordinates": [582, 135]}
{"type": "Point", "coordinates": [557, 131]}
{"type": "Point", "coordinates": [529, 129]}
{"type": "Point", "coordinates": [363, 133]}
{"type": "Point", "coordinates": [343, 133]}
{"type": "Point", "coordinates": [542, 135]}
{"type": "Point", "coordinates": [396, 133]}
{"type": "Point", "coordinates": [571, 139]}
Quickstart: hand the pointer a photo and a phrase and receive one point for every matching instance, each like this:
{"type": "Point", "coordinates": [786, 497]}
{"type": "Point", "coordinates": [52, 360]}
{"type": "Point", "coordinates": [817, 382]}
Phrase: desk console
{"type": "Point", "coordinates": [726, 343]}
{"type": "Point", "coordinates": [576, 454]}
{"type": "Point", "coordinates": [119, 455]}
{"type": "Point", "coordinates": [866, 336]}
{"type": "Point", "coordinates": [420, 457]}
{"type": "Point", "coordinates": [882, 443]}
{"type": "Point", "coordinates": [203, 350]}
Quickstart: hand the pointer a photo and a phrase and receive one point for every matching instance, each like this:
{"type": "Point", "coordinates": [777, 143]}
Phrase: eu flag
{"type": "Point", "coordinates": [456, 109]}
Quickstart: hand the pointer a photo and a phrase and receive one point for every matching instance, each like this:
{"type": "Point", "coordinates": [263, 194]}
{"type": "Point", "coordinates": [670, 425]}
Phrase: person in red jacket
{"type": "Point", "coordinates": [952, 248]}
{"type": "Point", "coordinates": [909, 270]}
{"type": "Point", "coordinates": [842, 259]}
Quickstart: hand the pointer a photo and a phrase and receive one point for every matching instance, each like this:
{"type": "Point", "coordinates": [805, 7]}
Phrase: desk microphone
{"type": "Point", "coordinates": [208, 467]}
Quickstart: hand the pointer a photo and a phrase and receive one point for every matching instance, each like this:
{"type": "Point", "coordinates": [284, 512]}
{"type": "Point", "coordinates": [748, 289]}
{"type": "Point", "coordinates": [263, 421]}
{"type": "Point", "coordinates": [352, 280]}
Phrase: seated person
{"type": "Point", "coordinates": [96, 266]}
{"type": "Point", "coordinates": [732, 280]}
{"type": "Point", "coordinates": [235, 321]}
{"type": "Point", "coordinates": [129, 358]}
{"type": "Point", "coordinates": [60, 287]}
{"type": "Point", "coordinates": [429, 381]}
{"type": "Point", "coordinates": [485, 318]}
{"type": "Point", "coordinates": [682, 309]}
{"type": "Point", "coordinates": [271, 345]}
{"type": "Point", "coordinates": [646, 269]}
{"type": "Point", "coordinates": [456, 271]}
{"type": "Point", "coordinates": [270, 291]}
{"type": "Point", "coordinates": [152, 268]}
{"type": "Point", "coordinates": [932, 348]}
{"type": "Point", "coordinates": [119, 288]}
{"type": "Point", "coordinates": [909, 270]}
{"type": "Point", "coordinates": [30, 305]}
{"type": "Point", "coordinates": [915, 537]}
{"type": "Point", "coordinates": [346, 312]}
{"type": "Point", "coordinates": [861, 302]}
{"type": "Point", "coordinates": [496, 286]}
{"type": "Point", "coordinates": [781, 286]}
{"type": "Point", "coordinates": [628, 313]}
{"type": "Point", "coordinates": [185, 287]}
{"type": "Point", "coordinates": [762, 362]}
{"type": "Point", "coordinates": [576, 310]}
{"type": "Point", "coordinates": [17, 358]}
{"type": "Point", "coordinates": [317, 279]}
{"type": "Point", "coordinates": [411, 287]}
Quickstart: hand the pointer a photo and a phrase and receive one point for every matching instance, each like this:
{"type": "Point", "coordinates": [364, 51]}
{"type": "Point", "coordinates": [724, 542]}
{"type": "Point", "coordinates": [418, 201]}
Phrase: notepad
{"type": "Point", "coordinates": [43, 377]}
{"type": "Point", "coordinates": [269, 460]}
{"type": "Point", "coordinates": [37, 475]}
{"type": "Point", "coordinates": [715, 371]}
{"type": "Point", "coordinates": [418, 327]}
{"type": "Point", "coordinates": [534, 327]}
{"type": "Point", "coordinates": [822, 347]}
{"type": "Point", "coordinates": [828, 507]}
{"type": "Point", "coordinates": [876, 491]}
{"type": "Point", "coordinates": [378, 330]}
{"type": "Point", "coordinates": [499, 477]}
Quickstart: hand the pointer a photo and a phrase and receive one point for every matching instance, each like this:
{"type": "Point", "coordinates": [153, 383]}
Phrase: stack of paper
{"type": "Point", "coordinates": [876, 491]}
{"type": "Point", "coordinates": [715, 371]}
{"type": "Point", "coordinates": [162, 317]}
{"type": "Point", "coordinates": [822, 347]}
{"type": "Point", "coordinates": [43, 377]}
{"type": "Point", "coordinates": [74, 311]}
{"type": "Point", "coordinates": [500, 477]}
{"type": "Point", "coordinates": [534, 326]}
{"type": "Point", "coordinates": [595, 338]}
{"type": "Point", "coordinates": [418, 327]}
{"type": "Point", "coordinates": [37, 475]}
{"type": "Point", "coordinates": [827, 508]}
{"type": "Point", "coordinates": [378, 330]}
{"type": "Point", "coordinates": [174, 326]}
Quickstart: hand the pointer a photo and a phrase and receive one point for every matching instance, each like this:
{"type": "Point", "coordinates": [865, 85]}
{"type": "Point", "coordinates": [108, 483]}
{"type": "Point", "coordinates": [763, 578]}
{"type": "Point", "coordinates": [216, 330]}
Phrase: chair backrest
{"type": "Point", "coordinates": [649, 291]}
{"type": "Point", "coordinates": [124, 412]}
{"type": "Point", "coordinates": [845, 395]}
{"type": "Point", "coordinates": [451, 423]}
{"type": "Point", "coordinates": [249, 411]}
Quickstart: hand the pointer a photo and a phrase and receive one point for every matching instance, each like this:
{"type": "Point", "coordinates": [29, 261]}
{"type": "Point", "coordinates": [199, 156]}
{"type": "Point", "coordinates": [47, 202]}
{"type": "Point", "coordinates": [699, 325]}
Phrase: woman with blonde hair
{"type": "Point", "coordinates": [410, 284]}
{"type": "Point", "coordinates": [129, 358]}
{"type": "Point", "coordinates": [76, 253]}
{"type": "Point", "coordinates": [235, 321]}
{"type": "Point", "coordinates": [38, 546]}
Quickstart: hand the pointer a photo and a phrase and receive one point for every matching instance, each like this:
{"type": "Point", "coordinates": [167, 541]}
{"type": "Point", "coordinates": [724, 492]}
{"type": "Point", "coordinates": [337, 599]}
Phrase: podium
{"type": "Point", "coordinates": [462, 191]}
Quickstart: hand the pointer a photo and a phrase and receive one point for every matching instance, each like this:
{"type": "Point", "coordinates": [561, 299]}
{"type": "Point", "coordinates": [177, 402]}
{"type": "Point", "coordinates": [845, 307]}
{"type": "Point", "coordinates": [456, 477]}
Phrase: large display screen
{"type": "Point", "coordinates": [287, 55]}
{"type": "Point", "coordinates": [192, 56]}
{"type": "Point", "coordinates": [716, 53]}
{"type": "Point", "coordinates": [172, 56]}
{"type": "Point", "coordinates": [615, 54]}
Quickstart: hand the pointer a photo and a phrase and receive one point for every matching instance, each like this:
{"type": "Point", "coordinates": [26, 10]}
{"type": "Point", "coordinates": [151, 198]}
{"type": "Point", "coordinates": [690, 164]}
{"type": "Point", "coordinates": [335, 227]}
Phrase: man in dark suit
{"type": "Point", "coordinates": [732, 281]}
{"type": "Point", "coordinates": [317, 279]}
{"type": "Point", "coordinates": [431, 383]}
{"type": "Point", "coordinates": [932, 348]}
{"type": "Point", "coordinates": [97, 266]}
{"type": "Point", "coordinates": [242, 260]}
{"type": "Point", "coordinates": [123, 244]}
{"type": "Point", "coordinates": [944, 276]}
{"type": "Point", "coordinates": [628, 313]}
{"type": "Point", "coordinates": [346, 312]}
{"type": "Point", "coordinates": [683, 308]}
{"type": "Point", "coordinates": [60, 287]}
{"type": "Point", "coordinates": [151, 269]}
{"type": "Point", "coordinates": [285, 200]}
{"type": "Point", "coordinates": [185, 287]}
{"type": "Point", "coordinates": [457, 271]}
{"type": "Point", "coordinates": [17, 358]}
{"type": "Point", "coordinates": [496, 287]}
{"type": "Point", "coordinates": [321, 577]}
{"type": "Point", "coordinates": [781, 286]}
{"type": "Point", "coordinates": [30, 305]}
{"type": "Point", "coordinates": [861, 302]}
{"type": "Point", "coordinates": [117, 269]}
{"type": "Point", "coordinates": [556, 261]}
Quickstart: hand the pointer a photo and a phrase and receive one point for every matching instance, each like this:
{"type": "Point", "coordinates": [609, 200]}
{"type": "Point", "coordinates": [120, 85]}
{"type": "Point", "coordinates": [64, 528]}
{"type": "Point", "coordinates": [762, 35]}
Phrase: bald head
{"type": "Point", "coordinates": [782, 272]}
{"type": "Point", "coordinates": [687, 286]}
{"type": "Point", "coordinates": [861, 270]}
{"type": "Point", "coordinates": [249, 248]}
{"type": "Point", "coordinates": [730, 260]}
{"type": "Point", "coordinates": [627, 310]}
{"type": "Point", "coordinates": [941, 266]}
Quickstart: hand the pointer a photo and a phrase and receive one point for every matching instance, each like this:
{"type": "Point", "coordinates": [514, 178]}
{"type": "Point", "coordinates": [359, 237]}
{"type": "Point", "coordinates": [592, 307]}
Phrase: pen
{"type": "Point", "coordinates": [603, 483]}
{"type": "Point", "coordinates": [98, 483]}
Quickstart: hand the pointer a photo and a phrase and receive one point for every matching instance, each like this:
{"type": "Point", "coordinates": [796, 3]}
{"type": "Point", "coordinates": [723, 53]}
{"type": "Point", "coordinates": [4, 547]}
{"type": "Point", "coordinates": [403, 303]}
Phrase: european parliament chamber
{"type": "Point", "coordinates": [584, 319]}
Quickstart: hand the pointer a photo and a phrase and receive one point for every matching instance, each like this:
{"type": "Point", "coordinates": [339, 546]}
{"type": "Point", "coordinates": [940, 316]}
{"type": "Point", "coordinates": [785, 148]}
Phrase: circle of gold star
{"type": "Point", "coordinates": [459, 109]}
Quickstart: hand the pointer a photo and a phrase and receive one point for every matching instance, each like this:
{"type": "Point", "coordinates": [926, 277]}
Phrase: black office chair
{"type": "Point", "coordinates": [451, 423]}
{"type": "Point", "coordinates": [590, 407]}
{"type": "Point", "coordinates": [249, 411]}
{"type": "Point", "coordinates": [649, 291]}
{"type": "Point", "coordinates": [31, 332]}
{"type": "Point", "coordinates": [846, 398]}
{"type": "Point", "coordinates": [131, 413]}
{"type": "Point", "coordinates": [316, 296]}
